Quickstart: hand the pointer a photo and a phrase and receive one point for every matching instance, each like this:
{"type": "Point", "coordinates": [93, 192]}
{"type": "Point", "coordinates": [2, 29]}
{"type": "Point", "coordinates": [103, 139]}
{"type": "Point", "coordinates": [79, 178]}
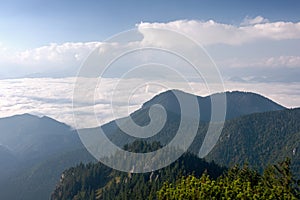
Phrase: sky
{"type": "Point", "coordinates": [34, 23]}
{"type": "Point", "coordinates": [43, 44]}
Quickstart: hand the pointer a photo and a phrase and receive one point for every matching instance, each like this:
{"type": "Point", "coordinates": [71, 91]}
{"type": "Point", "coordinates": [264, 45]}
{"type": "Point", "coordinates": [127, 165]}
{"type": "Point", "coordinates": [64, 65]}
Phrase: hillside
{"type": "Point", "coordinates": [34, 152]}
{"type": "Point", "coordinates": [96, 181]}
{"type": "Point", "coordinates": [187, 178]}
{"type": "Point", "coordinates": [260, 139]}
{"type": "Point", "coordinates": [35, 137]}
{"type": "Point", "coordinates": [257, 138]}
{"type": "Point", "coordinates": [8, 160]}
{"type": "Point", "coordinates": [238, 104]}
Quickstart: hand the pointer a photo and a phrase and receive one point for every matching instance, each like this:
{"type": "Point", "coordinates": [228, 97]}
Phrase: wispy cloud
{"type": "Point", "coordinates": [256, 20]}
{"type": "Point", "coordinates": [49, 58]}
{"type": "Point", "coordinates": [268, 62]}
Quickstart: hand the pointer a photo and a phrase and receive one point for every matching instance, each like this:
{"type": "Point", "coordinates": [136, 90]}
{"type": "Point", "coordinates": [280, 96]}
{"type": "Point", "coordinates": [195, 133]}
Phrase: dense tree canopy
{"type": "Point", "coordinates": [188, 178]}
{"type": "Point", "coordinates": [97, 181]}
{"type": "Point", "coordinates": [238, 183]}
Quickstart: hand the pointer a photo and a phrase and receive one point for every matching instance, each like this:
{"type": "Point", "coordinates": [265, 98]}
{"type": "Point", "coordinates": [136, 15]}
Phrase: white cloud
{"type": "Point", "coordinates": [53, 97]}
{"type": "Point", "coordinates": [289, 61]}
{"type": "Point", "coordinates": [256, 20]}
{"type": "Point", "coordinates": [268, 62]}
{"type": "Point", "coordinates": [56, 54]}
{"type": "Point", "coordinates": [50, 58]}
{"type": "Point", "coordinates": [211, 32]}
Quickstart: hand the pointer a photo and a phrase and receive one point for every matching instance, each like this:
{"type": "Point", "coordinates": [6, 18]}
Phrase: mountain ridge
{"type": "Point", "coordinates": [40, 149]}
{"type": "Point", "coordinates": [234, 100]}
{"type": "Point", "coordinates": [260, 138]}
{"type": "Point", "coordinates": [171, 105]}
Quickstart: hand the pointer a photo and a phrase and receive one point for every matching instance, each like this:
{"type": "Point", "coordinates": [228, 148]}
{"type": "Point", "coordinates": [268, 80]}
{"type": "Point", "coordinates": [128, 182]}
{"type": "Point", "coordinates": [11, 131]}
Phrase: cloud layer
{"type": "Point", "coordinates": [53, 97]}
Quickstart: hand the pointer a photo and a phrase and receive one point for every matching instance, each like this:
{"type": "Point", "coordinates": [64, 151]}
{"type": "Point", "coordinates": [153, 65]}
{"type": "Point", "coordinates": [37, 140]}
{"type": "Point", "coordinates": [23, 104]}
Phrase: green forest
{"type": "Point", "coordinates": [276, 182]}
{"type": "Point", "coordinates": [188, 178]}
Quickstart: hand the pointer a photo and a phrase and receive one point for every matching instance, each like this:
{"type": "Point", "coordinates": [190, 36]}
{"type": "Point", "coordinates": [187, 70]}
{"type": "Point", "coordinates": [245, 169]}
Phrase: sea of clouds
{"type": "Point", "coordinates": [53, 97]}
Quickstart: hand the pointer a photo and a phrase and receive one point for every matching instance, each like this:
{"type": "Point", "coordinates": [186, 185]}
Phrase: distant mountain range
{"type": "Point", "coordinates": [34, 151]}
{"type": "Point", "coordinates": [33, 137]}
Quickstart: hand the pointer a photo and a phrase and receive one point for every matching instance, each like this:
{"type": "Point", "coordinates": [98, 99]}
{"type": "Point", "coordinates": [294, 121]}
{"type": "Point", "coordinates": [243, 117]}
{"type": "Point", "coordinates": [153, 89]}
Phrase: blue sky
{"type": "Point", "coordinates": [33, 23]}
